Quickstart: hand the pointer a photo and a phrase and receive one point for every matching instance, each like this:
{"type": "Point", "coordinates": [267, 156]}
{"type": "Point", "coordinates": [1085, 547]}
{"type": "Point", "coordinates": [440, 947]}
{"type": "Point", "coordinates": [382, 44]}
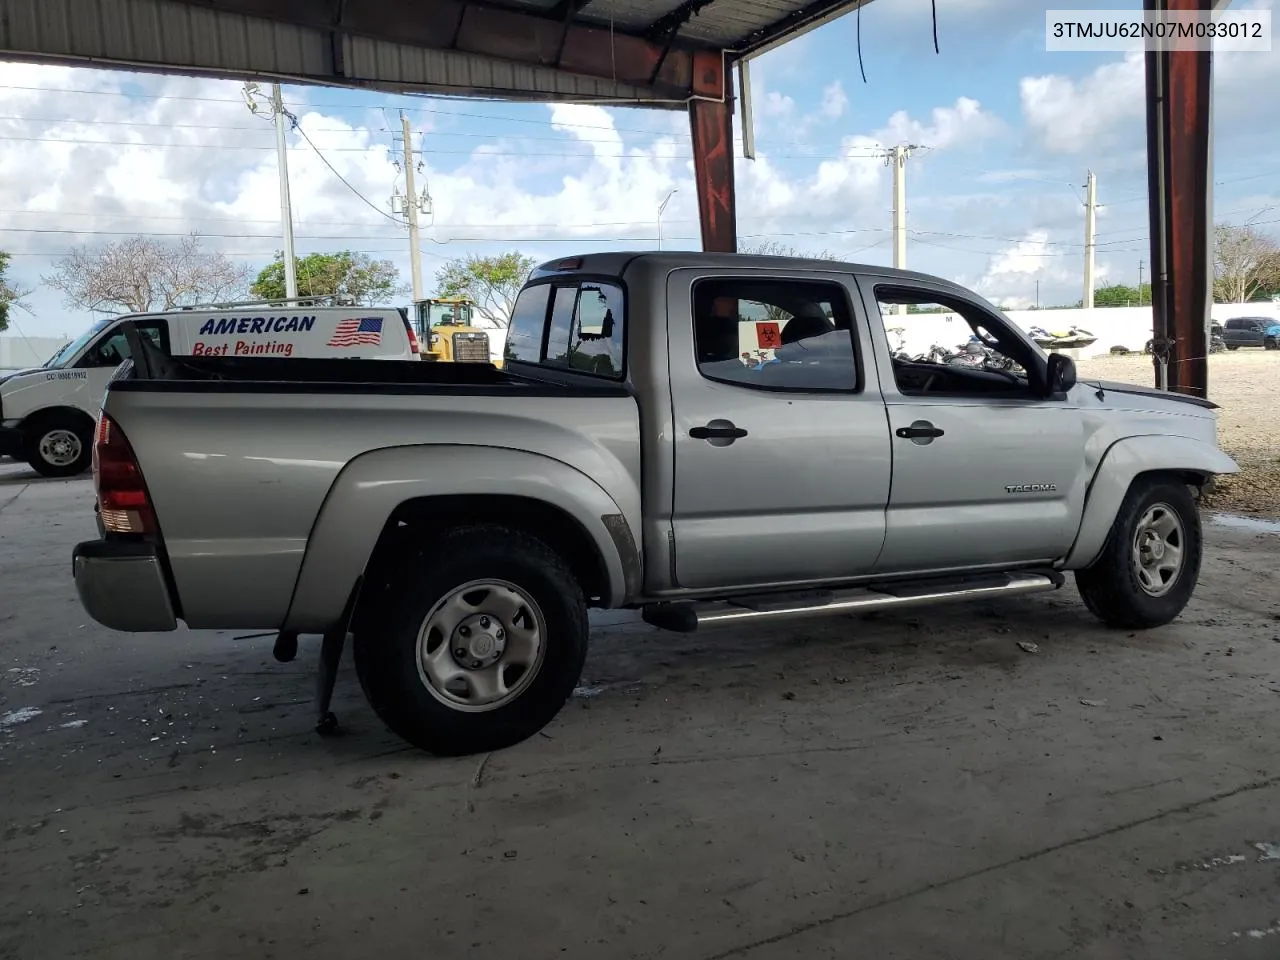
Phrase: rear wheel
{"type": "Point", "coordinates": [1270, 344]}
{"type": "Point", "coordinates": [1233, 346]}
{"type": "Point", "coordinates": [481, 645]}
{"type": "Point", "coordinates": [1148, 569]}
{"type": "Point", "coordinates": [59, 445]}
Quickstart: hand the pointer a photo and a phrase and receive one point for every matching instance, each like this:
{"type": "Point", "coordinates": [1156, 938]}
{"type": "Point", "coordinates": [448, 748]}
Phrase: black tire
{"type": "Point", "coordinates": [1233, 346]}
{"type": "Point", "coordinates": [44, 438]}
{"type": "Point", "coordinates": [1111, 588]}
{"type": "Point", "coordinates": [386, 644]}
{"type": "Point", "coordinates": [1270, 344]}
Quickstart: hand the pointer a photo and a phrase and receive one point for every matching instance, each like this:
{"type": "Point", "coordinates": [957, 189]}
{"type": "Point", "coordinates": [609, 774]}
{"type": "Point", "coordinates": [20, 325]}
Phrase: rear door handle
{"type": "Point", "coordinates": [719, 433]}
{"type": "Point", "coordinates": [922, 431]}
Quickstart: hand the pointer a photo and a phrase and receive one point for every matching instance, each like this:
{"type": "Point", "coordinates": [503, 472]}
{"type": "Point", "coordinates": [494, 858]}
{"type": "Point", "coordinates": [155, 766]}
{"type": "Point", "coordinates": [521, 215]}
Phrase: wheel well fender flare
{"type": "Point", "coordinates": [59, 412]}
{"type": "Point", "coordinates": [369, 491]}
{"type": "Point", "coordinates": [1191, 460]}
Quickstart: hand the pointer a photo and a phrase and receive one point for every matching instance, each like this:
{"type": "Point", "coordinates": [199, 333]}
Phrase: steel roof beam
{"type": "Point", "coordinates": [680, 73]}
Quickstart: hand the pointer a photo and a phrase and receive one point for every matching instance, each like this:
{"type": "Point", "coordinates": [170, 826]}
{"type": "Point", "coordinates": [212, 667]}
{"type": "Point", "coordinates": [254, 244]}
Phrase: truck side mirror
{"type": "Point", "coordinates": [1061, 373]}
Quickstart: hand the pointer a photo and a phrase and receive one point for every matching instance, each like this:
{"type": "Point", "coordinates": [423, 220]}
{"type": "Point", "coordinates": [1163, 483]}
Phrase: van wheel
{"type": "Point", "coordinates": [479, 647]}
{"type": "Point", "coordinates": [59, 445]}
{"type": "Point", "coordinates": [1270, 344]}
{"type": "Point", "coordinates": [1148, 569]}
{"type": "Point", "coordinates": [1233, 346]}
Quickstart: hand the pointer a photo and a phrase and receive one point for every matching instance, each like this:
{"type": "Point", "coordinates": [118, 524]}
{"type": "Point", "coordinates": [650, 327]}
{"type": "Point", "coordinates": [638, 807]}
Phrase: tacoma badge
{"type": "Point", "coordinates": [1030, 487]}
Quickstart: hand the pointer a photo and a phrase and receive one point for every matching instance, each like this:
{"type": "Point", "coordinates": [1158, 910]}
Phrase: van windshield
{"type": "Point", "coordinates": [60, 359]}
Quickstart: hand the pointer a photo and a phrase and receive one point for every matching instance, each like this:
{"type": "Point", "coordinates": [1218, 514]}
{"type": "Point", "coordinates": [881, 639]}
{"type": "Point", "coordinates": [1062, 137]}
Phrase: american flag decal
{"type": "Point", "coordinates": [357, 330]}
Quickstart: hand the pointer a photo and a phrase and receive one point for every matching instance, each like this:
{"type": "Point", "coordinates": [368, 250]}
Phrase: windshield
{"type": "Point", "coordinates": [448, 314]}
{"type": "Point", "coordinates": [60, 359]}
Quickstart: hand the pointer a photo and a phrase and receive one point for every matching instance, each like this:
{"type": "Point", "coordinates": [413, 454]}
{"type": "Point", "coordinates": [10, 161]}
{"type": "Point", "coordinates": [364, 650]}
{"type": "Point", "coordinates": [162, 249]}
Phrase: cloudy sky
{"type": "Point", "coordinates": [995, 198]}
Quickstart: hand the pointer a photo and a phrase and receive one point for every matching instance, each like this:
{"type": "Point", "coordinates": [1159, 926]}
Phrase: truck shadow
{"type": "Point", "coordinates": [14, 472]}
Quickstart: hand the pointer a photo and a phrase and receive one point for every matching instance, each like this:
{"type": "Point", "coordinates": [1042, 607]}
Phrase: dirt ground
{"type": "Point", "coordinates": [1246, 384]}
{"type": "Point", "coordinates": [972, 783]}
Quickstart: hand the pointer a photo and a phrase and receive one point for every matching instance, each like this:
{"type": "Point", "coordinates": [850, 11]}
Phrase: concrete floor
{"type": "Point", "coordinates": [915, 787]}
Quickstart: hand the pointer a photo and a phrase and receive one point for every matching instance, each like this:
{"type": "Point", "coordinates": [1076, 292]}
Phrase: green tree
{"type": "Point", "coordinates": [491, 283]}
{"type": "Point", "coordinates": [354, 276]}
{"type": "Point", "coordinates": [9, 295]}
{"type": "Point", "coordinates": [1122, 295]}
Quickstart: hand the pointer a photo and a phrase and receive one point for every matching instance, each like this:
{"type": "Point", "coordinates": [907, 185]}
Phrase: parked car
{"type": "Point", "coordinates": [47, 414]}
{"type": "Point", "coordinates": [710, 439]}
{"type": "Point", "coordinates": [1251, 332]}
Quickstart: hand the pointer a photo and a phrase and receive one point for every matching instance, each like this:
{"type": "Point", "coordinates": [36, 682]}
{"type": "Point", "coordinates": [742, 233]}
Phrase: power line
{"type": "Point", "coordinates": [332, 169]}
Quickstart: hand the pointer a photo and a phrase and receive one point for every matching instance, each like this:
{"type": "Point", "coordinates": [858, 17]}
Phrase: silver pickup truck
{"type": "Point", "coordinates": [710, 439]}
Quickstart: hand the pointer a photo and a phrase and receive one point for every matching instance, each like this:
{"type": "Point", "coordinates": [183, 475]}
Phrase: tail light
{"type": "Point", "coordinates": [123, 502]}
{"type": "Point", "coordinates": [414, 347]}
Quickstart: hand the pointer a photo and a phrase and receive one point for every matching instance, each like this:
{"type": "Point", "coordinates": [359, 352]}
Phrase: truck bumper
{"type": "Point", "coordinates": [122, 586]}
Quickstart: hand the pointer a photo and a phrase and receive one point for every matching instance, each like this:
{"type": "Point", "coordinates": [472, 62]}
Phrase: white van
{"type": "Point", "coordinates": [47, 414]}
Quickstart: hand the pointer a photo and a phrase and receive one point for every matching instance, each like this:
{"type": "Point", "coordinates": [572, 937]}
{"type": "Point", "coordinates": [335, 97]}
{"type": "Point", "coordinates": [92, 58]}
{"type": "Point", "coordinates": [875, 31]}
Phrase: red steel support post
{"type": "Point", "coordinates": [711, 123]}
{"type": "Point", "coordinates": [1178, 163]}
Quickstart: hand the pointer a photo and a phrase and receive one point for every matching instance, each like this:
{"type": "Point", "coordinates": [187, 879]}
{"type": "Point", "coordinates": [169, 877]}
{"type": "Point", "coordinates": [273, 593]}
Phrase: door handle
{"type": "Point", "coordinates": [922, 431]}
{"type": "Point", "coordinates": [719, 433]}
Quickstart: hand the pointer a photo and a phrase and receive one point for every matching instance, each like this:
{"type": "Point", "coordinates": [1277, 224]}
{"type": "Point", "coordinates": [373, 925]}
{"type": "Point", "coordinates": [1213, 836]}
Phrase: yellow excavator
{"type": "Point", "coordinates": [446, 329]}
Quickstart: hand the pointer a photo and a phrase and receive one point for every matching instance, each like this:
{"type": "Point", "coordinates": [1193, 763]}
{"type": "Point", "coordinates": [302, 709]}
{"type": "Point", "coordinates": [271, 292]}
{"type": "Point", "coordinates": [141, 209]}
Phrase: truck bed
{"type": "Point", "coordinates": [241, 455]}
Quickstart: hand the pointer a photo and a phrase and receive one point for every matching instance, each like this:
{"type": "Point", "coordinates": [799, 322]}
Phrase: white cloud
{"type": "Point", "coordinates": [963, 124]}
{"type": "Point", "coordinates": [1012, 274]}
{"type": "Point", "coordinates": [1079, 116]}
{"type": "Point", "coordinates": [1108, 105]}
{"type": "Point", "coordinates": [834, 101]}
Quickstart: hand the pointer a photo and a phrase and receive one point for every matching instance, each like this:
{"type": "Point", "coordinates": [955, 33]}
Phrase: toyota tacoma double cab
{"type": "Point", "coordinates": [709, 439]}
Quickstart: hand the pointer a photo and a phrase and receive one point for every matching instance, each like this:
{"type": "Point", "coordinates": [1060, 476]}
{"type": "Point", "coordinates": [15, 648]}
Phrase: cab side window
{"type": "Point", "coordinates": [775, 334]}
{"type": "Point", "coordinates": [576, 326]}
{"type": "Point", "coordinates": [586, 333]}
{"type": "Point", "coordinates": [112, 350]}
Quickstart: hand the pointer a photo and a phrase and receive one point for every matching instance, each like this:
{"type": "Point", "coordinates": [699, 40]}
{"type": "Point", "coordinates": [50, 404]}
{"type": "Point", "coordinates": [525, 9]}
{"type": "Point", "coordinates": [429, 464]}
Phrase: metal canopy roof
{"type": "Point", "coordinates": [660, 52]}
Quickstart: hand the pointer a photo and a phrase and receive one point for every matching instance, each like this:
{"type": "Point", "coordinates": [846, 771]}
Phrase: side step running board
{"type": "Point", "coordinates": [688, 616]}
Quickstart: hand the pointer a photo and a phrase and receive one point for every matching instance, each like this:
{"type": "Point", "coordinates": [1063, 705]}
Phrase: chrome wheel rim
{"type": "Point", "coordinates": [1159, 550]}
{"type": "Point", "coordinates": [481, 645]}
{"type": "Point", "coordinates": [60, 448]}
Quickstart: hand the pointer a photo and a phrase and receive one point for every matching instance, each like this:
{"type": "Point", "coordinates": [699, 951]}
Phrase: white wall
{"type": "Point", "coordinates": [17, 353]}
{"type": "Point", "coordinates": [1129, 327]}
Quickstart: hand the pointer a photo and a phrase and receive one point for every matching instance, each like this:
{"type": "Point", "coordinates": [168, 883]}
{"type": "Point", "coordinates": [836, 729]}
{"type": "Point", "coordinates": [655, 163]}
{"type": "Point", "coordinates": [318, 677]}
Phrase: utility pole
{"type": "Point", "coordinates": [1141, 264]}
{"type": "Point", "coordinates": [897, 157]}
{"type": "Point", "coordinates": [411, 209]}
{"type": "Point", "coordinates": [282, 161]}
{"type": "Point", "coordinates": [1090, 233]}
{"type": "Point", "coordinates": [286, 207]}
{"type": "Point", "coordinates": [1037, 294]}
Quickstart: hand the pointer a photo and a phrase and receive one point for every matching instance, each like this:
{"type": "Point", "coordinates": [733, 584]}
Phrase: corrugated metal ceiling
{"type": "Point", "coordinates": [429, 46]}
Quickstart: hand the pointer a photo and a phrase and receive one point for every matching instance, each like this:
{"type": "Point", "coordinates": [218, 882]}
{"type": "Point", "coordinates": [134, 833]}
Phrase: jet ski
{"type": "Point", "coordinates": [1069, 339]}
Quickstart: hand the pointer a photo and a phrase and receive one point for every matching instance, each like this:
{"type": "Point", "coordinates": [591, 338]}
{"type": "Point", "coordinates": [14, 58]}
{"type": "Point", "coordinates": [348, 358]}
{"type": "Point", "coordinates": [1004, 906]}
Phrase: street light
{"type": "Point", "coordinates": [661, 207]}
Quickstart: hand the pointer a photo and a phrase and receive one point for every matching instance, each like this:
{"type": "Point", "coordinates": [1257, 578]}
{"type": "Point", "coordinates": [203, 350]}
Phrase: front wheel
{"type": "Point", "coordinates": [1233, 346]}
{"type": "Point", "coordinates": [479, 647]}
{"type": "Point", "coordinates": [1148, 569]}
{"type": "Point", "coordinates": [1270, 344]}
{"type": "Point", "coordinates": [59, 446]}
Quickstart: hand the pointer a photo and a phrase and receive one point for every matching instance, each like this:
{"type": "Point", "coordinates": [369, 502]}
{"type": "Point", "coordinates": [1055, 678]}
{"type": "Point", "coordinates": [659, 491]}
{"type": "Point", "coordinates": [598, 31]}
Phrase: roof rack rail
{"type": "Point", "coordinates": [331, 300]}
